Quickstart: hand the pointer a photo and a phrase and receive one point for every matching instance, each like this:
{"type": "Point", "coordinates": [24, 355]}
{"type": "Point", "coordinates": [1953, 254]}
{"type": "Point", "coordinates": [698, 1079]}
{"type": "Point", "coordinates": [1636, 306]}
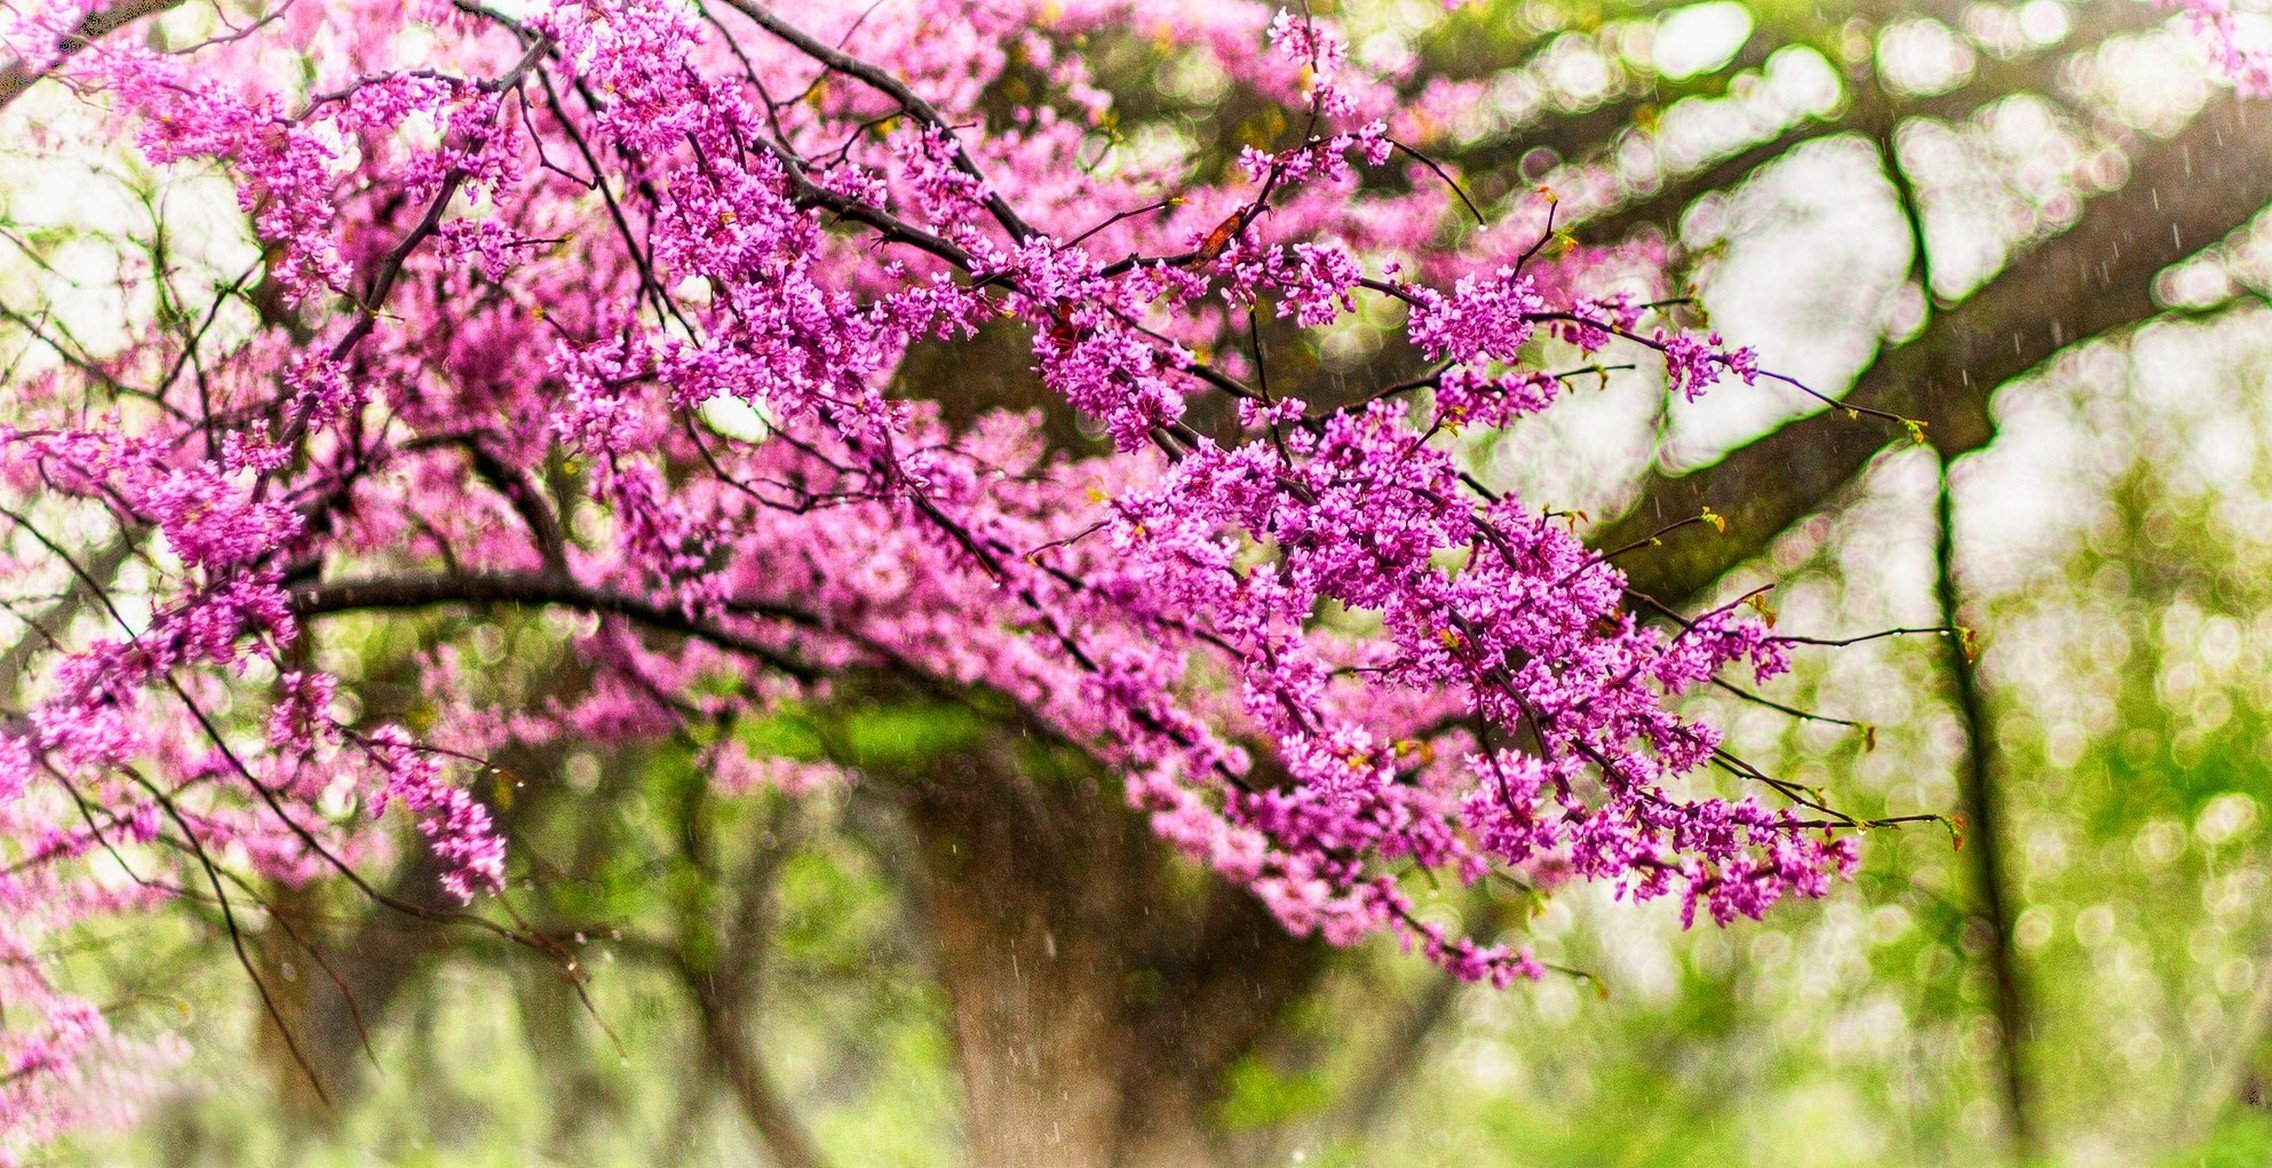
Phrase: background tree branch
{"type": "Point", "coordinates": [2184, 193]}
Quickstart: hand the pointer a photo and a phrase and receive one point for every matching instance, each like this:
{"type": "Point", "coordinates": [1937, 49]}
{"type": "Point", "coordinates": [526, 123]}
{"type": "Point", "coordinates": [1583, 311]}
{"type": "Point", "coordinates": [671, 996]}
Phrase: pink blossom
{"type": "Point", "coordinates": [639, 355]}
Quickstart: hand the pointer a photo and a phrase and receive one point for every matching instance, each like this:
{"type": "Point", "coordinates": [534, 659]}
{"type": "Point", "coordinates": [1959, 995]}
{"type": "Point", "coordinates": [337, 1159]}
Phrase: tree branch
{"type": "Point", "coordinates": [2184, 194]}
{"type": "Point", "coordinates": [1870, 106]}
{"type": "Point", "coordinates": [16, 76]}
{"type": "Point", "coordinates": [838, 61]}
{"type": "Point", "coordinates": [532, 588]}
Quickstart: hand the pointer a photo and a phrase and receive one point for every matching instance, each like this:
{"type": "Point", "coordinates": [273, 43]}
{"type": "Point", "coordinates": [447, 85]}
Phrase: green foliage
{"type": "Point", "coordinates": [2245, 1141]}
{"type": "Point", "coordinates": [1259, 1095]}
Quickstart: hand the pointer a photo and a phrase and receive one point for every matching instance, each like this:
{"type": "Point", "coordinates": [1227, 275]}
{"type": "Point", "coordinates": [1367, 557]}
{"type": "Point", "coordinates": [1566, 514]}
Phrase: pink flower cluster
{"type": "Point", "coordinates": [2245, 60]}
{"type": "Point", "coordinates": [532, 269]}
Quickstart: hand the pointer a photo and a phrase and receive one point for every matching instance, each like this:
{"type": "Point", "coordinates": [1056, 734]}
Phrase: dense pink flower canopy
{"type": "Point", "coordinates": [603, 308]}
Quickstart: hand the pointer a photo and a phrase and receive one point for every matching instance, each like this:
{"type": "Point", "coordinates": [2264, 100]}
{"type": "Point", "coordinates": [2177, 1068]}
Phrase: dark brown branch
{"type": "Point", "coordinates": [527, 501]}
{"type": "Point", "coordinates": [535, 589]}
{"type": "Point", "coordinates": [2184, 193]}
{"type": "Point", "coordinates": [836, 60]}
{"type": "Point", "coordinates": [16, 76]}
{"type": "Point", "coordinates": [390, 266]}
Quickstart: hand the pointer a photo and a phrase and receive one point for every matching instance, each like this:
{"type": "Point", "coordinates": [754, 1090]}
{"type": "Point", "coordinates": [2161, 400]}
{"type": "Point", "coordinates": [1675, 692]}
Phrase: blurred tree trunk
{"type": "Point", "coordinates": [1991, 880]}
{"type": "Point", "coordinates": [1100, 994]}
{"type": "Point", "coordinates": [724, 1023]}
{"type": "Point", "coordinates": [330, 993]}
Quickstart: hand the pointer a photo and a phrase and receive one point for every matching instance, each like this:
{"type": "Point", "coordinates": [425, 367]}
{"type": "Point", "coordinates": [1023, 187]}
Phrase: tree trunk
{"type": "Point", "coordinates": [331, 994]}
{"type": "Point", "coordinates": [1992, 885]}
{"type": "Point", "coordinates": [1100, 994]}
